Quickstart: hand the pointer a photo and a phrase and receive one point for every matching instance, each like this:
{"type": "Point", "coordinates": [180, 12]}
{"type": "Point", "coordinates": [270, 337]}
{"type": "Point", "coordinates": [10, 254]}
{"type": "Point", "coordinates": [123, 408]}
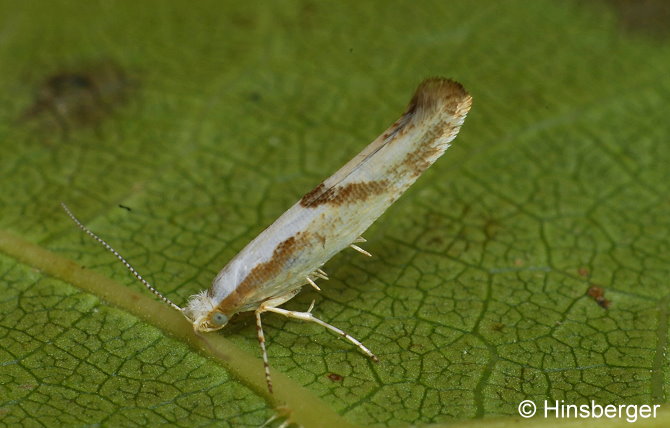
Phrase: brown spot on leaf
{"type": "Point", "coordinates": [79, 97]}
{"type": "Point", "coordinates": [491, 228]}
{"type": "Point", "coordinates": [436, 240]}
{"type": "Point", "coordinates": [335, 377]}
{"type": "Point", "coordinates": [582, 271]}
{"type": "Point", "coordinates": [648, 17]}
{"type": "Point", "coordinates": [348, 193]}
{"type": "Point", "coordinates": [597, 293]}
{"type": "Point", "coordinates": [498, 326]}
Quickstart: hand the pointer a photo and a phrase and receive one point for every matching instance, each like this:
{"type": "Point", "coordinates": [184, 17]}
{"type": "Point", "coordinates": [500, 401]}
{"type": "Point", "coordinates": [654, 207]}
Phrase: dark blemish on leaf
{"type": "Point", "coordinates": [335, 377]}
{"type": "Point", "coordinates": [597, 293]}
{"type": "Point", "coordinates": [245, 21]}
{"type": "Point", "coordinates": [491, 228]}
{"type": "Point", "coordinates": [125, 207]}
{"type": "Point", "coordinates": [68, 99]}
{"type": "Point", "coordinates": [436, 227]}
{"type": "Point", "coordinates": [308, 13]}
{"type": "Point", "coordinates": [436, 240]}
{"type": "Point", "coordinates": [582, 271]}
{"type": "Point", "coordinates": [498, 326]}
{"type": "Point", "coordinates": [647, 17]}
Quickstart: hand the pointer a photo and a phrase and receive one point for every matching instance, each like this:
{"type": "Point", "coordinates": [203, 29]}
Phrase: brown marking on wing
{"type": "Point", "coordinates": [439, 94]}
{"type": "Point", "coordinates": [264, 272]}
{"type": "Point", "coordinates": [434, 97]}
{"type": "Point", "coordinates": [309, 198]}
{"type": "Point", "coordinates": [418, 161]}
{"type": "Point", "coordinates": [352, 192]}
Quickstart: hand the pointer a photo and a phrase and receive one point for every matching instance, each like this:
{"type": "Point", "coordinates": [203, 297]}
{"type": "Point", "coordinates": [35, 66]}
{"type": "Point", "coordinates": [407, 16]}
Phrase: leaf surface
{"type": "Point", "coordinates": [178, 131]}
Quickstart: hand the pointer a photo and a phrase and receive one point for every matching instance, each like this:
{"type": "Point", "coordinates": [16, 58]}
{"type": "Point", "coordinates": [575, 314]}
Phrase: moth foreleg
{"type": "Point", "coordinates": [275, 301]}
{"type": "Point", "coordinates": [261, 341]}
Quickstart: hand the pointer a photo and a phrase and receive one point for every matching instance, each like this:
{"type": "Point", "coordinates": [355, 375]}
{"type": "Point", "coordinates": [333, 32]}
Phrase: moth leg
{"type": "Point", "coordinates": [307, 316]}
{"type": "Point", "coordinates": [261, 341]}
{"type": "Point", "coordinates": [312, 283]}
{"type": "Point", "coordinates": [259, 329]}
{"type": "Point", "coordinates": [282, 412]}
{"type": "Point", "coordinates": [284, 424]}
{"type": "Point", "coordinates": [360, 250]}
{"type": "Point", "coordinates": [360, 239]}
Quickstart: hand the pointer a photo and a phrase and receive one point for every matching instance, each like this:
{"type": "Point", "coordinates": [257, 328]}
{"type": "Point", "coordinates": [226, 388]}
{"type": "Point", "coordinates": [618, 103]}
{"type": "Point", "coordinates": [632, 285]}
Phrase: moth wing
{"type": "Point", "coordinates": [336, 212]}
{"type": "Point", "coordinates": [437, 103]}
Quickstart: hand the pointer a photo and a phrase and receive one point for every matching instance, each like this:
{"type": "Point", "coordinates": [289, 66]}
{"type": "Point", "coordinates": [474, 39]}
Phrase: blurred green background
{"type": "Point", "coordinates": [531, 262]}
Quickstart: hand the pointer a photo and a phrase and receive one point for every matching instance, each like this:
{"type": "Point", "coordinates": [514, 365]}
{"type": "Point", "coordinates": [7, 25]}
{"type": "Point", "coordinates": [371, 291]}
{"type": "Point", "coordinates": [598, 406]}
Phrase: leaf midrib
{"type": "Point", "coordinates": [305, 408]}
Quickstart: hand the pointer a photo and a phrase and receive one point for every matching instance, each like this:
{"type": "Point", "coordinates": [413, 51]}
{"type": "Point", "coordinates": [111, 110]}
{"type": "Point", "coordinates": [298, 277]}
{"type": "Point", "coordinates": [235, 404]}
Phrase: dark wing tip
{"type": "Point", "coordinates": [438, 93]}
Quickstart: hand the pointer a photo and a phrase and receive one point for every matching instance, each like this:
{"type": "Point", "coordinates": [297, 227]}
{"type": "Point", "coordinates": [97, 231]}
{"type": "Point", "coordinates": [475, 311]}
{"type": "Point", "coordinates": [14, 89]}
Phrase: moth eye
{"type": "Point", "coordinates": [219, 319]}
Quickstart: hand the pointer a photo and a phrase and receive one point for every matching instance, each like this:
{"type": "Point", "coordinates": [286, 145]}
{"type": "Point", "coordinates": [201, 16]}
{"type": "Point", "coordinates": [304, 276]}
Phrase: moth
{"type": "Point", "coordinates": [289, 254]}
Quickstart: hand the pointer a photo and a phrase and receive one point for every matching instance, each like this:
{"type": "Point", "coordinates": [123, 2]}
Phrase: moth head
{"type": "Point", "coordinates": [210, 322]}
{"type": "Point", "coordinates": [216, 320]}
{"type": "Point", "coordinates": [201, 311]}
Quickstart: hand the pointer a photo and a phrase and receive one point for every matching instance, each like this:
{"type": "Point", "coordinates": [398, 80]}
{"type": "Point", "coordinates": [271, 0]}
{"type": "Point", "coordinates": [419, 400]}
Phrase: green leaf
{"type": "Point", "coordinates": [530, 263]}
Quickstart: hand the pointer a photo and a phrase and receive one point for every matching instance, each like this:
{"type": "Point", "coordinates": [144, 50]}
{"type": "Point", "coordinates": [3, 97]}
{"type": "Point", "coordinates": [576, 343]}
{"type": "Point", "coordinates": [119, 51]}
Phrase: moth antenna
{"type": "Point", "coordinates": [120, 257]}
